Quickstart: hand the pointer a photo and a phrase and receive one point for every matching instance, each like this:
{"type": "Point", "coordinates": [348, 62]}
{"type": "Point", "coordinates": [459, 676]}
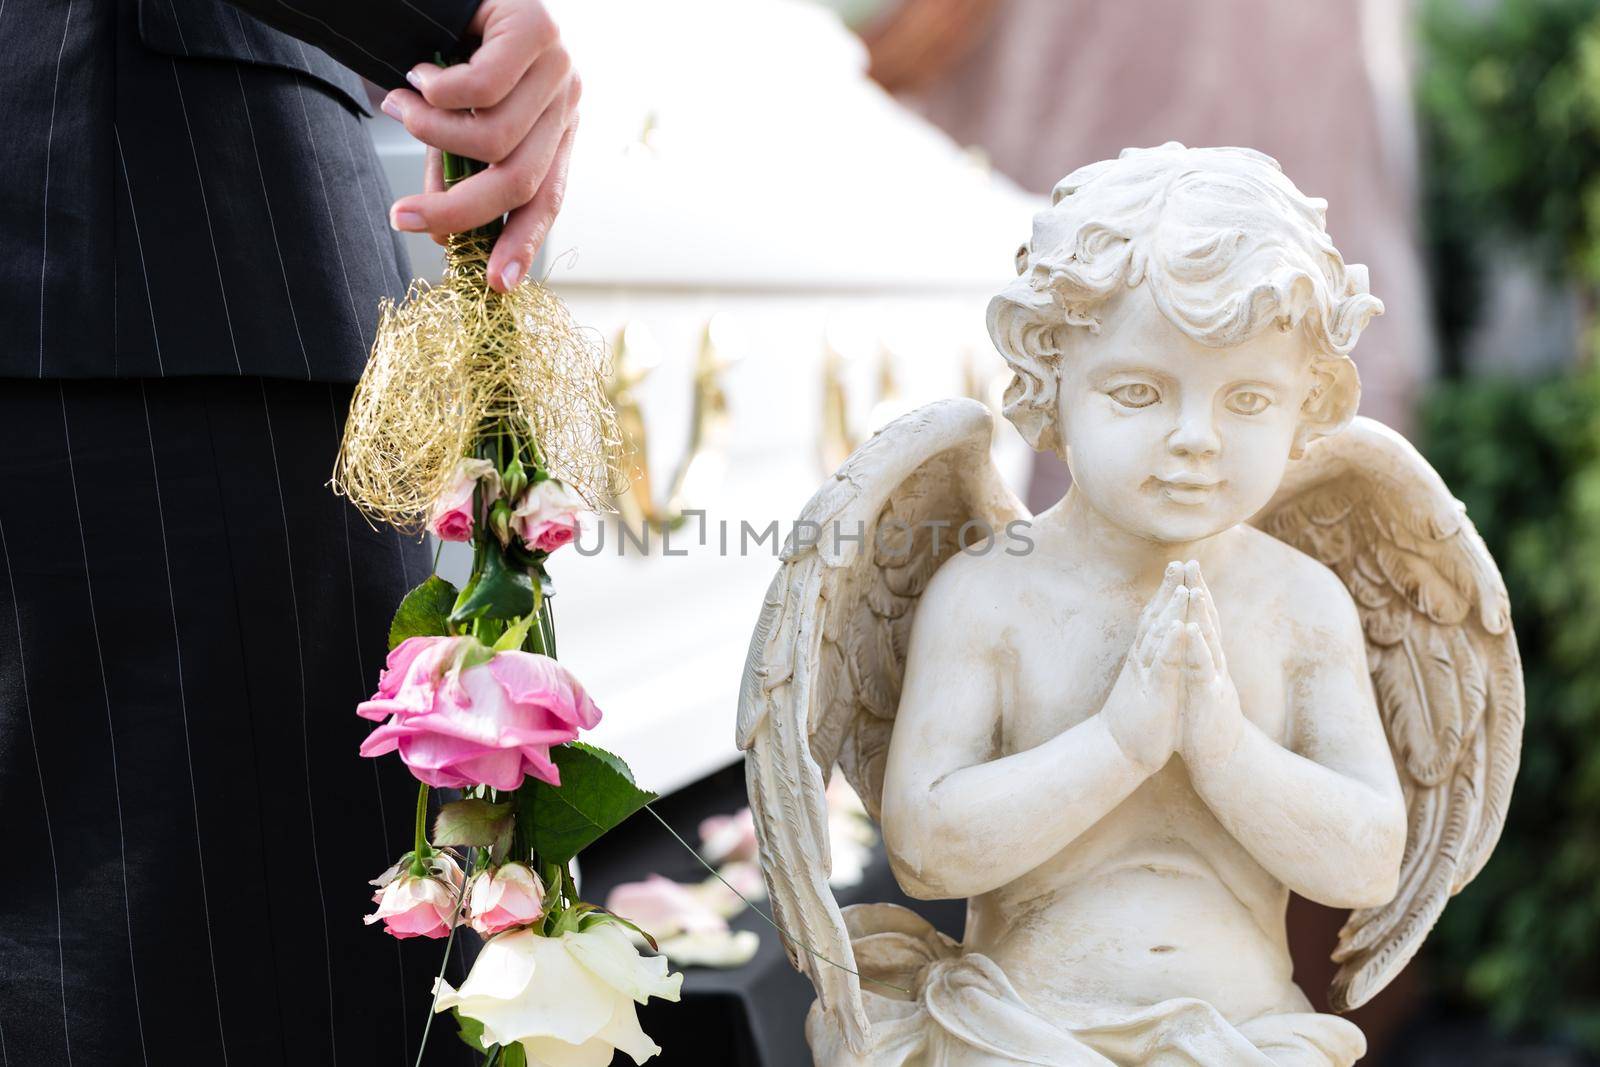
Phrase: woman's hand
{"type": "Point", "coordinates": [514, 106]}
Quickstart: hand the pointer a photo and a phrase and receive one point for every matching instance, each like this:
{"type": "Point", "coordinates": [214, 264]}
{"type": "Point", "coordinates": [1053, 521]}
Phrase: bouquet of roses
{"type": "Point", "coordinates": [483, 417]}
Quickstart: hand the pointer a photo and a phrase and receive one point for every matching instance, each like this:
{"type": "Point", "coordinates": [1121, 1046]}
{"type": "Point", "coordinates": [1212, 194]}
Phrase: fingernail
{"type": "Point", "coordinates": [391, 107]}
{"type": "Point", "coordinates": [511, 275]}
{"type": "Point", "coordinates": [415, 79]}
{"type": "Point", "coordinates": [408, 220]}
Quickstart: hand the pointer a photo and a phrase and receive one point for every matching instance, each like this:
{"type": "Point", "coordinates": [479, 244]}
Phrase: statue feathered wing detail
{"type": "Point", "coordinates": [822, 681]}
{"type": "Point", "coordinates": [1444, 664]}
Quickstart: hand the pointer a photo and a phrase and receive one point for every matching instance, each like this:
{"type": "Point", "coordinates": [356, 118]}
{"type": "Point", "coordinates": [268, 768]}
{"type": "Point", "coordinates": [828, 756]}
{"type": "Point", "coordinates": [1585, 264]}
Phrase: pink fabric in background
{"type": "Point", "coordinates": [1322, 87]}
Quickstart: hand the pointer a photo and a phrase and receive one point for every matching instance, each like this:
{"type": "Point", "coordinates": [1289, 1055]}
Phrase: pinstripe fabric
{"type": "Point", "coordinates": [337, 425]}
{"type": "Point", "coordinates": [49, 147]}
{"type": "Point", "coordinates": [138, 248]}
{"type": "Point", "coordinates": [16, 694]}
{"type": "Point", "coordinates": [111, 730]}
{"type": "Point", "coordinates": [183, 712]}
{"type": "Point", "coordinates": [313, 851]}
{"type": "Point", "coordinates": [198, 826]}
{"type": "Point", "coordinates": [188, 615]}
{"type": "Point", "coordinates": [192, 190]}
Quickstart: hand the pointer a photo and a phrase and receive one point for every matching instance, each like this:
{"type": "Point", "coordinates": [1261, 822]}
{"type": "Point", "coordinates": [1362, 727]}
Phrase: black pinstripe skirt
{"type": "Point", "coordinates": [187, 619]}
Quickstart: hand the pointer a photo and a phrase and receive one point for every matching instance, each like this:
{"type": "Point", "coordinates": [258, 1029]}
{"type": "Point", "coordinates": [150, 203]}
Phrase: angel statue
{"type": "Point", "coordinates": [1257, 648]}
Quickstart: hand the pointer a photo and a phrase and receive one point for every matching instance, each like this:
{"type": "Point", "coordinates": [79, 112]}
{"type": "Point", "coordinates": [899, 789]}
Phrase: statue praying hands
{"type": "Point", "coordinates": [1257, 648]}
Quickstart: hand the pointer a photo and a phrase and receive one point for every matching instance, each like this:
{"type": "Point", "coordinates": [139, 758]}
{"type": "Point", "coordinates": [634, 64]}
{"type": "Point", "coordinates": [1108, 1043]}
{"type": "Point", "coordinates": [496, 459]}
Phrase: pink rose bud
{"type": "Point", "coordinates": [412, 905]}
{"type": "Point", "coordinates": [547, 516]}
{"type": "Point", "coordinates": [505, 897]}
{"type": "Point", "coordinates": [552, 534]}
{"type": "Point", "coordinates": [461, 716]}
{"type": "Point", "coordinates": [452, 517]}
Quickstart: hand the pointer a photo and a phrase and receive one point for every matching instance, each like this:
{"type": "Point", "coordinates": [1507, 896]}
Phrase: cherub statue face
{"type": "Point", "coordinates": [1171, 439]}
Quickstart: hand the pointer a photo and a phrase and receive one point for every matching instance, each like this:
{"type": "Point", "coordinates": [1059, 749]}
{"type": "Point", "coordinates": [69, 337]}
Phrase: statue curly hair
{"type": "Point", "coordinates": [1189, 224]}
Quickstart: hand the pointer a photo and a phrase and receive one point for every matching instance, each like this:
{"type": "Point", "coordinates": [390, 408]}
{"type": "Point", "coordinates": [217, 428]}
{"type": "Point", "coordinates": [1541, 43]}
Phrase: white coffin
{"type": "Point", "coordinates": [735, 162]}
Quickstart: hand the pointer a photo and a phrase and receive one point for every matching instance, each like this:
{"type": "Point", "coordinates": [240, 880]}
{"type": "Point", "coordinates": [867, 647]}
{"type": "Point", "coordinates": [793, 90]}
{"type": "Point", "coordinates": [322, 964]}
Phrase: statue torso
{"type": "Point", "coordinates": [1157, 900]}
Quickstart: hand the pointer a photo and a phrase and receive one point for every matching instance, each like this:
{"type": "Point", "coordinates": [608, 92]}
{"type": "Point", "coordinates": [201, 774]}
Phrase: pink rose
{"type": "Point", "coordinates": [507, 896]}
{"type": "Point", "coordinates": [547, 516]}
{"type": "Point", "coordinates": [452, 518]}
{"type": "Point", "coordinates": [413, 905]}
{"type": "Point", "coordinates": [552, 533]}
{"type": "Point", "coordinates": [462, 715]}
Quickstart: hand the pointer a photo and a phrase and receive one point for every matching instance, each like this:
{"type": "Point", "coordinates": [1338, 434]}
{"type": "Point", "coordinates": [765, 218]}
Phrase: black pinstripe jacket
{"type": "Point", "coordinates": [187, 190]}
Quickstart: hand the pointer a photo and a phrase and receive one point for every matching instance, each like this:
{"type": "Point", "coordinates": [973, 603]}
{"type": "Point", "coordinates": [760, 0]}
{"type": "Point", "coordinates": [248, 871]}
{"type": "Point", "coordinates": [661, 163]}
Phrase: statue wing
{"type": "Point", "coordinates": [1444, 664]}
{"type": "Point", "coordinates": [822, 682]}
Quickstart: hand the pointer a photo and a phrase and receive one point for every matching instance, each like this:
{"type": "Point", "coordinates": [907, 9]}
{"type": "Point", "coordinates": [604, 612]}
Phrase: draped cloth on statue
{"type": "Point", "coordinates": [965, 1013]}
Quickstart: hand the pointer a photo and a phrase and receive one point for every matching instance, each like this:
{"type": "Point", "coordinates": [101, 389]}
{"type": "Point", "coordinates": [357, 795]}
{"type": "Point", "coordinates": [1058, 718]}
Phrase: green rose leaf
{"type": "Point", "coordinates": [469, 1030]}
{"type": "Point", "coordinates": [474, 823]}
{"type": "Point", "coordinates": [512, 1056]}
{"type": "Point", "coordinates": [515, 634]}
{"type": "Point", "coordinates": [501, 592]}
{"type": "Point", "coordinates": [425, 611]}
{"type": "Point", "coordinates": [599, 916]}
{"type": "Point", "coordinates": [596, 793]}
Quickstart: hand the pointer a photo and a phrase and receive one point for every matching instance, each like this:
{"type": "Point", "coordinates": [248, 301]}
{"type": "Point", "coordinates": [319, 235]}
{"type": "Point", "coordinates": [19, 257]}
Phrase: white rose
{"type": "Point", "coordinates": [568, 999]}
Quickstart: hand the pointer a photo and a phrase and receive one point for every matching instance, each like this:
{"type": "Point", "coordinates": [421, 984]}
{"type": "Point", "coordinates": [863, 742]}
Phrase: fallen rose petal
{"type": "Point", "coordinates": [726, 950]}
{"type": "Point", "coordinates": [747, 886]}
{"type": "Point", "coordinates": [662, 907]}
{"type": "Point", "coordinates": [729, 837]}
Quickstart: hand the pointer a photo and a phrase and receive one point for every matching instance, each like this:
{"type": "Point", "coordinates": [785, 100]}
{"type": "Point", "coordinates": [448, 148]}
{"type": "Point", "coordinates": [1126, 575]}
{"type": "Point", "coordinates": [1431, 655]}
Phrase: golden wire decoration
{"type": "Point", "coordinates": [450, 361]}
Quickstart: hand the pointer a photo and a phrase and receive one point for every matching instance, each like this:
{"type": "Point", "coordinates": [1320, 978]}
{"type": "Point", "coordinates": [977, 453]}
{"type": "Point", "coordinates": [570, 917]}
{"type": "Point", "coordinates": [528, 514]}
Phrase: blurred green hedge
{"type": "Point", "coordinates": [1509, 100]}
{"type": "Point", "coordinates": [1524, 939]}
{"type": "Point", "coordinates": [1510, 127]}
